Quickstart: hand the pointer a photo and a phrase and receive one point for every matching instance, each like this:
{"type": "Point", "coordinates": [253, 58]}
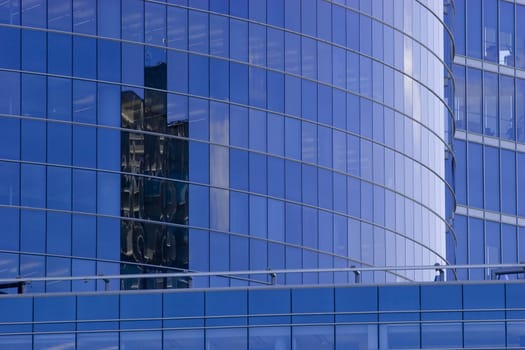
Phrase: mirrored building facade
{"type": "Point", "coordinates": [489, 144]}
{"type": "Point", "coordinates": [149, 136]}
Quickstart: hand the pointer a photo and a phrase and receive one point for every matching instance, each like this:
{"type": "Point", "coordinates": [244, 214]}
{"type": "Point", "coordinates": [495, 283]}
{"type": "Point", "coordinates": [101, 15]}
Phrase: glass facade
{"type": "Point", "coordinates": [409, 316]}
{"type": "Point", "coordinates": [143, 136]}
{"type": "Point", "coordinates": [489, 143]}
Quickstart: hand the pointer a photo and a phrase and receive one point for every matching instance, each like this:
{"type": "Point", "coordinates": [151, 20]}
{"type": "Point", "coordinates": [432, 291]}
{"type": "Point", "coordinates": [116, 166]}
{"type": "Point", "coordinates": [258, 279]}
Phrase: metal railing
{"type": "Point", "coordinates": [493, 272]}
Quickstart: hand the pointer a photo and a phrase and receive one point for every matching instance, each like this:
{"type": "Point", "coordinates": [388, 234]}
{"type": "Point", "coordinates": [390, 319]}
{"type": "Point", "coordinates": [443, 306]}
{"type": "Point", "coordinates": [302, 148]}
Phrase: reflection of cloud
{"type": "Point", "coordinates": [30, 269]}
{"type": "Point", "coordinates": [219, 209]}
{"type": "Point", "coordinates": [63, 346]}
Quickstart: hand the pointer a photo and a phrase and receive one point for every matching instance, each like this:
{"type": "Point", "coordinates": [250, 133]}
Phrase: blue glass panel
{"type": "Point", "coordinates": [293, 224]}
{"type": "Point", "coordinates": [140, 306]}
{"type": "Point", "coordinates": [459, 27]}
{"type": "Point", "coordinates": [15, 311]}
{"type": "Point", "coordinates": [31, 265]}
{"type": "Point", "coordinates": [275, 12]}
{"type": "Point", "coordinates": [107, 11]}
{"type": "Point", "coordinates": [474, 100]}
{"type": "Point", "coordinates": [257, 130]}
{"type": "Point", "coordinates": [399, 298]}
{"type": "Point", "coordinates": [490, 99]}
{"type": "Point", "coordinates": [34, 13]}
{"type": "Point", "coordinates": [476, 246]}
{"type": "Point", "coordinates": [509, 243]}
{"type": "Point", "coordinates": [227, 304]}
{"type": "Point", "coordinates": [11, 232]}
{"type": "Point", "coordinates": [520, 37]}
{"type": "Point", "coordinates": [441, 335]}
{"type": "Point", "coordinates": [58, 267]}
{"type": "Point", "coordinates": [10, 42]}
{"type": "Point", "coordinates": [312, 337]}
{"type": "Point", "coordinates": [219, 79]}
{"type": "Point", "coordinates": [59, 98]}
{"type": "Point", "coordinates": [474, 30]}
{"type": "Point", "coordinates": [108, 60]}
{"type": "Point", "coordinates": [83, 268]}
{"type": "Point", "coordinates": [275, 135]}
{"type": "Point", "coordinates": [276, 222]}
{"type": "Point", "coordinates": [356, 337]}
{"type": "Point", "coordinates": [108, 188]}
{"type": "Point", "coordinates": [275, 87]}
{"type": "Point", "coordinates": [50, 341]}
{"type": "Point", "coordinates": [358, 300]}
{"type": "Point", "coordinates": [199, 253]}
{"type": "Point", "coordinates": [198, 31]}
{"type": "Point", "coordinates": [59, 15]}
{"type": "Point", "coordinates": [84, 191]}
{"type": "Point", "coordinates": [58, 238]}
{"type": "Point", "coordinates": [490, 30]}
{"type": "Point", "coordinates": [33, 185]}
{"type": "Point", "coordinates": [238, 40]}
{"type": "Point", "coordinates": [227, 338]}
{"type": "Point", "coordinates": [491, 174]}
{"type": "Point", "coordinates": [482, 297]}
{"type": "Point", "coordinates": [508, 182]}
{"type": "Point", "coordinates": [292, 53]}
{"type": "Point", "coordinates": [55, 309]}
{"type": "Point", "coordinates": [184, 339]}
{"type": "Point", "coordinates": [189, 307]}
{"type": "Point", "coordinates": [506, 33]}
{"type": "Point", "coordinates": [399, 336]}
{"type": "Point", "coordinates": [293, 181]}
{"type": "Point", "coordinates": [141, 340]}
{"type": "Point", "coordinates": [270, 338]}
{"type": "Point", "coordinates": [59, 54]}
{"type": "Point", "coordinates": [515, 334]}
{"type": "Point", "coordinates": [10, 97]}
{"type": "Point", "coordinates": [506, 107]}
{"type": "Point", "coordinates": [84, 16]}
{"type": "Point", "coordinates": [275, 53]}
{"type": "Point", "coordinates": [492, 245]}
{"type": "Point", "coordinates": [219, 257]}
{"type": "Point", "coordinates": [132, 64]}
{"type": "Point", "coordinates": [103, 340]}
{"type": "Point", "coordinates": [199, 213]}
{"type": "Point", "coordinates": [520, 164]}
{"type": "Point", "coordinates": [484, 334]}
{"type": "Point", "coordinates": [319, 301]}
{"type": "Point", "coordinates": [239, 83]}
{"type": "Point", "coordinates": [475, 180]}
{"type": "Point", "coordinates": [258, 216]}
{"type": "Point", "coordinates": [84, 236]}
{"type": "Point", "coordinates": [257, 169]}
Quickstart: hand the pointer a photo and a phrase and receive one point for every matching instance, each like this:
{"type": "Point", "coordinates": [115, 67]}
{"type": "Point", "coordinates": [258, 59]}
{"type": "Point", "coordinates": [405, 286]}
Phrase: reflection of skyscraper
{"type": "Point", "coordinates": [157, 155]}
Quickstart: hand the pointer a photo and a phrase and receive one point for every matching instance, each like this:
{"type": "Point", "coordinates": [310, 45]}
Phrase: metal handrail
{"type": "Point", "coordinates": [272, 273]}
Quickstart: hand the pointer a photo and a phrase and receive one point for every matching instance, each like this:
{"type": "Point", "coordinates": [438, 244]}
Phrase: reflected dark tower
{"type": "Point", "coordinates": [153, 158]}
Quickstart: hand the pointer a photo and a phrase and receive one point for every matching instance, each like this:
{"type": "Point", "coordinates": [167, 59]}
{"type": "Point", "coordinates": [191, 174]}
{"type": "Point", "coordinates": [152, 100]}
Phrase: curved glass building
{"type": "Point", "coordinates": [142, 136]}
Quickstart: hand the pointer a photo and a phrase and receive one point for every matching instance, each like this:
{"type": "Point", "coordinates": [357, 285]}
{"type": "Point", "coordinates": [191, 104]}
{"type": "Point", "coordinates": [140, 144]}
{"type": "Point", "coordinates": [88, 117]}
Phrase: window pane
{"type": "Point", "coordinates": [490, 103]}
{"type": "Point", "coordinates": [508, 182]}
{"type": "Point", "coordinates": [506, 33]}
{"type": "Point", "coordinates": [490, 30]}
{"type": "Point", "coordinates": [474, 99]}
{"type": "Point", "coordinates": [475, 178]}
{"type": "Point", "coordinates": [473, 28]}
{"type": "Point", "coordinates": [491, 174]}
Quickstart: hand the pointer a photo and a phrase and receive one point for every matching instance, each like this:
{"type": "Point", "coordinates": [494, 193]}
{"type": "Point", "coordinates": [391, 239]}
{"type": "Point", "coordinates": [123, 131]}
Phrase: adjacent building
{"type": "Point", "coordinates": [489, 142]}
